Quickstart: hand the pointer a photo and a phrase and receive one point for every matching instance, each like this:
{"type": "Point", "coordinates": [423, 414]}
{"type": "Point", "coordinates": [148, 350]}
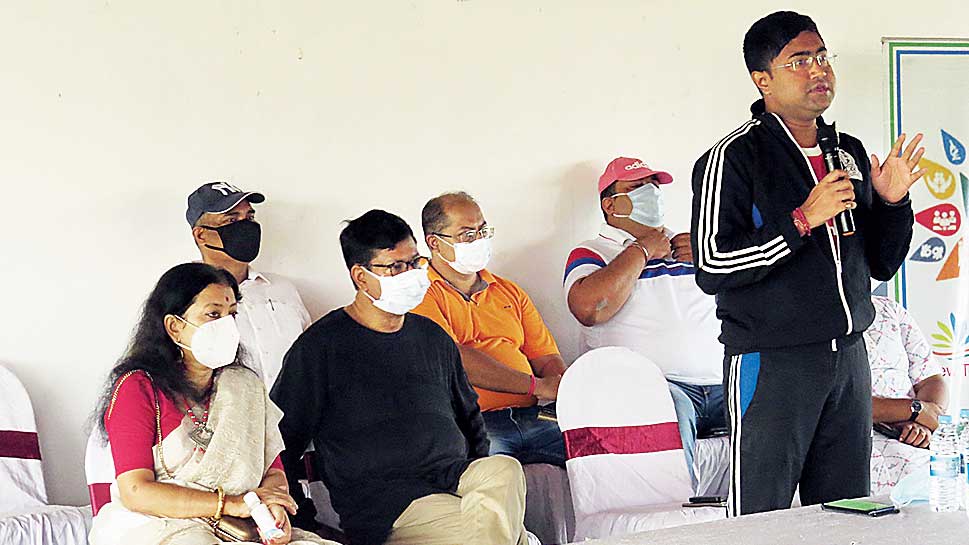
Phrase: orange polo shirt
{"type": "Point", "coordinates": [500, 321]}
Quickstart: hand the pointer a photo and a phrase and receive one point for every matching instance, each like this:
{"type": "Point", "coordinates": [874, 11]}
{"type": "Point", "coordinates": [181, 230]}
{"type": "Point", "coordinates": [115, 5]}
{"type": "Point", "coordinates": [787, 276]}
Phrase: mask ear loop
{"type": "Point", "coordinates": [364, 290]}
{"type": "Point", "coordinates": [620, 215]}
{"type": "Point", "coordinates": [217, 230]}
{"type": "Point", "coordinates": [439, 237]}
{"type": "Point", "coordinates": [451, 263]}
{"type": "Point", "coordinates": [178, 344]}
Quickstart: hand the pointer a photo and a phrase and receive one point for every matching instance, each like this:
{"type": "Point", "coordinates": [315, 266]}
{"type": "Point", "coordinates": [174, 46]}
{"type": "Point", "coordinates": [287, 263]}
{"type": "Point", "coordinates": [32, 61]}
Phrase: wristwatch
{"type": "Point", "coordinates": [916, 409]}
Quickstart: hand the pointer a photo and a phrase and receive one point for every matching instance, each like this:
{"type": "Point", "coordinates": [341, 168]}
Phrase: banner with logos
{"type": "Point", "coordinates": [928, 92]}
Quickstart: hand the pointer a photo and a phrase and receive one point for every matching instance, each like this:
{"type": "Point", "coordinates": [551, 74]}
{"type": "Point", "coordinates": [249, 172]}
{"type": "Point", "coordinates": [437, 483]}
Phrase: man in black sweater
{"type": "Point", "coordinates": [395, 424]}
{"type": "Point", "coordinates": [792, 290]}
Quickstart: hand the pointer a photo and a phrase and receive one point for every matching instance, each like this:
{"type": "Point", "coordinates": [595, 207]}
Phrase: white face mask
{"type": "Point", "coordinates": [215, 343]}
{"type": "Point", "coordinates": [648, 205]}
{"type": "Point", "coordinates": [469, 257]}
{"type": "Point", "coordinates": [400, 294]}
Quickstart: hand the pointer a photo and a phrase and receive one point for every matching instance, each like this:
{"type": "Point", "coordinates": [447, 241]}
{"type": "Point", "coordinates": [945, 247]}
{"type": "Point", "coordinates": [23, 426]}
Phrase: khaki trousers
{"type": "Point", "coordinates": [487, 509]}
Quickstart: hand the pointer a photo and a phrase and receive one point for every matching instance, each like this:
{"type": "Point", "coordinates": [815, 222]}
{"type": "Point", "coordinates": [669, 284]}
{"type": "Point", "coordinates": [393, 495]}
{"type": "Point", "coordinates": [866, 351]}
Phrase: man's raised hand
{"type": "Point", "coordinates": [897, 174]}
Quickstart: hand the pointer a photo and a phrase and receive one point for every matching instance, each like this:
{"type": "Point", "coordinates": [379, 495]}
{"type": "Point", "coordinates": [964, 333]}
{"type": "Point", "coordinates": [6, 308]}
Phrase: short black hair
{"type": "Point", "coordinates": [609, 191]}
{"type": "Point", "coordinates": [374, 231]}
{"type": "Point", "coordinates": [768, 36]}
{"type": "Point", "coordinates": [434, 214]}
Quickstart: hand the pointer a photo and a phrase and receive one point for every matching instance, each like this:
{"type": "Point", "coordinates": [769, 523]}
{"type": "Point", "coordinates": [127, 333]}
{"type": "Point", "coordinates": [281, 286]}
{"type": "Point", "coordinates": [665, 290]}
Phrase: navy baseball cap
{"type": "Point", "coordinates": [217, 198]}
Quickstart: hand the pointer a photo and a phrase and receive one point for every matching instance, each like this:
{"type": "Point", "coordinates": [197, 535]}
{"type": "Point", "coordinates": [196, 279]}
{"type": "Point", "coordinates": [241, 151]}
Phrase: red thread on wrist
{"type": "Point", "coordinates": [531, 387]}
{"type": "Point", "coordinates": [801, 222]}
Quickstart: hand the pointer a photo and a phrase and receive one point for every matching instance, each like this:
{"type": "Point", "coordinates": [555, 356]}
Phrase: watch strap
{"type": "Point", "coordinates": [916, 410]}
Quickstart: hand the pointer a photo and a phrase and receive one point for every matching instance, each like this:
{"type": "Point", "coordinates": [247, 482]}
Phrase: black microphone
{"type": "Point", "coordinates": [828, 142]}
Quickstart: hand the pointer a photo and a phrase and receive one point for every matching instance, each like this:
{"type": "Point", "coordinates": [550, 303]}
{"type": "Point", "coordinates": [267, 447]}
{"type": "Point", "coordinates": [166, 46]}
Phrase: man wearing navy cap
{"type": "Point", "coordinates": [271, 313]}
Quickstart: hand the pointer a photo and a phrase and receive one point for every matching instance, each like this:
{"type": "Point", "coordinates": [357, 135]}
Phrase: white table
{"type": "Point", "coordinates": [916, 525]}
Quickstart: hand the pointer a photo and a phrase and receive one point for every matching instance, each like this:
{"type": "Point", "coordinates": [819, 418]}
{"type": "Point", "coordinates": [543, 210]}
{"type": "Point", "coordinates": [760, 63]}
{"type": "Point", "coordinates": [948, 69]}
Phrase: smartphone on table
{"type": "Point", "coordinates": [707, 501]}
{"type": "Point", "coordinates": [860, 507]}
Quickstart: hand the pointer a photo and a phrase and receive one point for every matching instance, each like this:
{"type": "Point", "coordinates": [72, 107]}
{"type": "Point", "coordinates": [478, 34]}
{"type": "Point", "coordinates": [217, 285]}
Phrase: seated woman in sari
{"type": "Point", "coordinates": [191, 429]}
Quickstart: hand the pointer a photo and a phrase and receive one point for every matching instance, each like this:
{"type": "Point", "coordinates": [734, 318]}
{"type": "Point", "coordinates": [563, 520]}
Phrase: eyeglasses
{"type": "Point", "coordinates": [398, 267]}
{"type": "Point", "coordinates": [805, 63]}
{"type": "Point", "coordinates": [471, 235]}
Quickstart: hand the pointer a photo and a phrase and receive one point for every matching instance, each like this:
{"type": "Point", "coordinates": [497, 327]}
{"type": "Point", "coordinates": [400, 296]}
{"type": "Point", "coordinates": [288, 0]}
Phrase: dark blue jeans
{"type": "Point", "coordinates": [698, 410]}
{"type": "Point", "coordinates": [519, 433]}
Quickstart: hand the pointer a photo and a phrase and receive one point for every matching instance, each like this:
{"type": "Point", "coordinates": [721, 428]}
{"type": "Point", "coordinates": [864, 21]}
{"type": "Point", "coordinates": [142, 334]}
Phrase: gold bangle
{"type": "Point", "coordinates": [221, 506]}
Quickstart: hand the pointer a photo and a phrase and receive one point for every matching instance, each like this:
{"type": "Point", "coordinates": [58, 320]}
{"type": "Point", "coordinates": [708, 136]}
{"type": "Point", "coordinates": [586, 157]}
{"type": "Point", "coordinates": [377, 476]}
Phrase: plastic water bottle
{"type": "Point", "coordinates": [264, 519]}
{"type": "Point", "coordinates": [962, 435]}
{"type": "Point", "coordinates": [962, 430]}
{"type": "Point", "coordinates": [945, 487]}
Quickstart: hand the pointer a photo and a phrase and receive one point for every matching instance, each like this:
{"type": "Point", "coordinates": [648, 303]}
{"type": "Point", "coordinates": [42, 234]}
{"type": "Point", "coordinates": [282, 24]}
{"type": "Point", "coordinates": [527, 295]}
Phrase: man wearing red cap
{"type": "Point", "coordinates": [633, 286]}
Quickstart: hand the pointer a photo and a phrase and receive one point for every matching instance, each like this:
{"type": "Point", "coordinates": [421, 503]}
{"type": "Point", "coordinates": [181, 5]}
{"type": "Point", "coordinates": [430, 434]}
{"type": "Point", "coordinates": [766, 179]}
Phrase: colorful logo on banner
{"type": "Point", "coordinates": [950, 270]}
{"type": "Point", "coordinates": [965, 192]}
{"type": "Point", "coordinates": [943, 219]}
{"type": "Point", "coordinates": [931, 251]}
{"type": "Point", "coordinates": [954, 149]}
{"type": "Point", "coordinates": [940, 180]}
{"type": "Point", "coordinates": [950, 342]}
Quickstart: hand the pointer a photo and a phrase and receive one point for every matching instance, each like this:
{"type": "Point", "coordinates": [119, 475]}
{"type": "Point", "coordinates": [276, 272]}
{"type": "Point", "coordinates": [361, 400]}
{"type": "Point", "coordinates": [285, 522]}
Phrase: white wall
{"type": "Point", "coordinates": [114, 111]}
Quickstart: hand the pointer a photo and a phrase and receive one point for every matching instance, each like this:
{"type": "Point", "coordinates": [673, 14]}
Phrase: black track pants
{"type": "Point", "coordinates": [798, 415]}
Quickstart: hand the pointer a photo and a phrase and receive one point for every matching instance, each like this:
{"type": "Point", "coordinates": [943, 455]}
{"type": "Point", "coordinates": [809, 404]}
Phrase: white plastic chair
{"type": "Point", "coordinates": [625, 457]}
{"type": "Point", "coordinates": [25, 517]}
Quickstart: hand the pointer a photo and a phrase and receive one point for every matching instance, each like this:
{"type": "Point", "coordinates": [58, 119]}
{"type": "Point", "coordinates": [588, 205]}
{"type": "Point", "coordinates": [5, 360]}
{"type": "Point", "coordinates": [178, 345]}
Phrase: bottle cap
{"type": "Point", "coordinates": [252, 500]}
{"type": "Point", "coordinates": [945, 419]}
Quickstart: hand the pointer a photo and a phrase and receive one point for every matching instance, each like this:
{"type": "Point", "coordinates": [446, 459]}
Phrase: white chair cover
{"type": "Point", "coordinates": [47, 525]}
{"type": "Point", "coordinates": [21, 474]}
{"type": "Point", "coordinates": [625, 456]}
{"type": "Point", "coordinates": [325, 514]}
{"type": "Point", "coordinates": [317, 492]}
{"type": "Point", "coordinates": [99, 470]}
{"type": "Point", "coordinates": [711, 465]}
{"type": "Point", "coordinates": [25, 517]}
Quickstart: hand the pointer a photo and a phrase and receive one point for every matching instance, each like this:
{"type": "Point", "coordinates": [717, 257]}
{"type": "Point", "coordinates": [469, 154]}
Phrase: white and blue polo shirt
{"type": "Point", "coordinates": [666, 318]}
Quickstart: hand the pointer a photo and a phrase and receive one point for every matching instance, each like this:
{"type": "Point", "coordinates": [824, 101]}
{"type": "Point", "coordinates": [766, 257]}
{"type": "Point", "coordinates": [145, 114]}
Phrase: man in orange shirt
{"type": "Point", "coordinates": [508, 353]}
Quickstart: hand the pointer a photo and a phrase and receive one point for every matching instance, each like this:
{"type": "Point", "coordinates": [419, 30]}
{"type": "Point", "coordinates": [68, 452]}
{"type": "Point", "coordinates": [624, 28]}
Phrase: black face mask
{"type": "Point", "coordinates": [240, 239]}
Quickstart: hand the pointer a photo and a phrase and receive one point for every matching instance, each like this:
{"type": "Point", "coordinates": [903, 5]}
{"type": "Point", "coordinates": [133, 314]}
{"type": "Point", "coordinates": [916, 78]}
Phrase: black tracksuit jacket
{"type": "Point", "coordinates": [774, 288]}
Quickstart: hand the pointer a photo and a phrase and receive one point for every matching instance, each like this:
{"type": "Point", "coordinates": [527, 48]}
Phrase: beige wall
{"type": "Point", "coordinates": [112, 112]}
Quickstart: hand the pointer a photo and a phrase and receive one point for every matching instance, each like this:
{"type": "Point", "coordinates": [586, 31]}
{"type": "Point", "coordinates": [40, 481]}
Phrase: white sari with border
{"type": "Point", "coordinates": [245, 442]}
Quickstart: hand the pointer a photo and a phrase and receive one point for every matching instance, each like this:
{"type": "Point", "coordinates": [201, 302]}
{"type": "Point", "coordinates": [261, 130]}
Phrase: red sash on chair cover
{"type": "Point", "coordinates": [19, 444]}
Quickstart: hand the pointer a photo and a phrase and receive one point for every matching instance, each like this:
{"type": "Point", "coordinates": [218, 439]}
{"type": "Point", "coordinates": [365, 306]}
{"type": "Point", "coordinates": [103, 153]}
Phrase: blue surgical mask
{"type": "Point", "coordinates": [913, 488]}
{"type": "Point", "coordinates": [647, 203]}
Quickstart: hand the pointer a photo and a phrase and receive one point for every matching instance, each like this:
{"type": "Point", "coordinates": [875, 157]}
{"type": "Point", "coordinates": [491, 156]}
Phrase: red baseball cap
{"type": "Point", "coordinates": [626, 169]}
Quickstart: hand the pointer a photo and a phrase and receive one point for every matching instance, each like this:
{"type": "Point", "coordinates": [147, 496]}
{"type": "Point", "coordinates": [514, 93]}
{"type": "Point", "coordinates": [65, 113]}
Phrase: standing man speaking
{"type": "Point", "coordinates": [792, 288]}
